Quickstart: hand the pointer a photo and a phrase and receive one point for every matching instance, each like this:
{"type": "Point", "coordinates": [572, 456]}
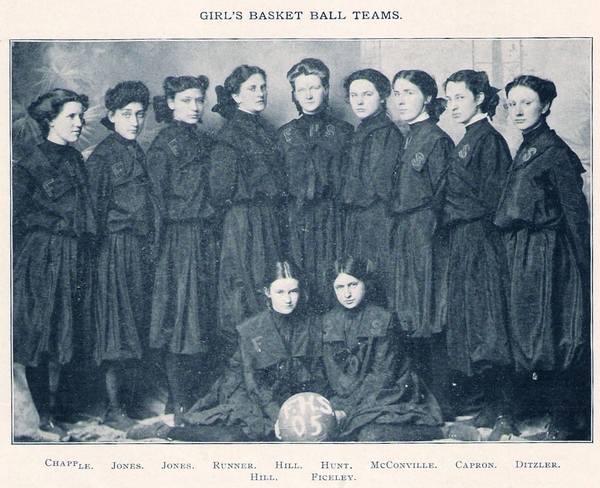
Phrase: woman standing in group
{"type": "Point", "coordinates": [367, 187]}
{"type": "Point", "coordinates": [248, 183]}
{"type": "Point", "coordinates": [547, 232]}
{"type": "Point", "coordinates": [54, 233]}
{"type": "Point", "coordinates": [477, 319]}
{"type": "Point", "coordinates": [183, 303]}
{"type": "Point", "coordinates": [416, 207]}
{"type": "Point", "coordinates": [314, 148]}
{"type": "Point", "coordinates": [379, 398]}
{"type": "Point", "coordinates": [122, 198]}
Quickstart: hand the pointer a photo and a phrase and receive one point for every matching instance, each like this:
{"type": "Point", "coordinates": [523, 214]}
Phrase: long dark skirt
{"type": "Point", "coordinates": [416, 293]}
{"type": "Point", "coordinates": [477, 312]}
{"type": "Point", "coordinates": [251, 241]}
{"type": "Point", "coordinates": [183, 303]}
{"type": "Point", "coordinates": [51, 299]}
{"type": "Point", "coordinates": [367, 234]}
{"type": "Point", "coordinates": [315, 241]}
{"type": "Point", "coordinates": [546, 301]}
{"type": "Point", "coordinates": [122, 299]}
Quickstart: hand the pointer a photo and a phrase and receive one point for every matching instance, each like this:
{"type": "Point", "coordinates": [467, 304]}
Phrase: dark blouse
{"type": "Point", "coordinates": [178, 164]}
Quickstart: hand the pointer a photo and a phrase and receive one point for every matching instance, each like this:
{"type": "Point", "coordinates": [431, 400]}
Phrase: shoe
{"type": "Point", "coordinates": [504, 426]}
{"type": "Point", "coordinates": [48, 424]}
{"type": "Point", "coordinates": [117, 418]}
{"type": "Point", "coordinates": [463, 432]}
{"type": "Point", "coordinates": [158, 430]}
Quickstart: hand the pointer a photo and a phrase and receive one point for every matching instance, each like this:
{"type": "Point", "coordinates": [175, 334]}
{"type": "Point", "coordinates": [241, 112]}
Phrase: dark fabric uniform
{"type": "Point", "coordinates": [477, 315]}
{"type": "Point", "coordinates": [247, 182]}
{"type": "Point", "coordinates": [121, 192]}
{"type": "Point", "coordinates": [314, 149]}
{"type": "Point", "coordinates": [367, 192]}
{"type": "Point", "coordinates": [279, 356]}
{"type": "Point", "coordinates": [54, 230]}
{"type": "Point", "coordinates": [546, 218]}
{"type": "Point", "coordinates": [183, 302]}
{"type": "Point", "coordinates": [417, 215]}
{"type": "Point", "coordinates": [370, 378]}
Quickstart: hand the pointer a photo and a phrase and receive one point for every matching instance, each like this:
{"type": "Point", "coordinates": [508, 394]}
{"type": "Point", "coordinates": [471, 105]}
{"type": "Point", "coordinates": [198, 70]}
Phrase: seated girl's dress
{"type": "Point", "coordinates": [278, 357]}
{"type": "Point", "coordinates": [371, 380]}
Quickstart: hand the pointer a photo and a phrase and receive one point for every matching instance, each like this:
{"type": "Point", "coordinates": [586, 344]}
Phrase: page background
{"type": "Point", "coordinates": [23, 465]}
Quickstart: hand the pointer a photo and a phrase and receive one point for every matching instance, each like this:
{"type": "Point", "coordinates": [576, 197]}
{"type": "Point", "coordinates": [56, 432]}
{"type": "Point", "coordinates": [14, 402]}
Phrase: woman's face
{"type": "Point", "coordinates": [349, 290]}
{"type": "Point", "coordinates": [66, 126]}
{"type": "Point", "coordinates": [364, 98]}
{"type": "Point", "coordinates": [410, 100]}
{"type": "Point", "coordinates": [284, 293]}
{"type": "Point", "coordinates": [463, 105]}
{"type": "Point", "coordinates": [129, 120]}
{"type": "Point", "coordinates": [187, 105]}
{"type": "Point", "coordinates": [525, 109]}
{"type": "Point", "coordinates": [309, 93]}
{"type": "Point", "coordinates": [252, 97]}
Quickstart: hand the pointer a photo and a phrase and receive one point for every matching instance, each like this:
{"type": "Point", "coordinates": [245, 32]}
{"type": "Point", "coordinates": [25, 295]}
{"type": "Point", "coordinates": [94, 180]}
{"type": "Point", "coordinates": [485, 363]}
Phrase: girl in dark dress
{"type": "Point", "coordinates": [248, 183]}
{"type": "Point", "coordinates": [183, 303]}
{"type": "Point", "coordinates": [367, 186]}
{"type": "Point", "coordinates": [418, 194]}
{"type": "Point", "coordinates": [278, 356]}
{"type": "Point", "coordinates": [119, 183]}
{"type": "Point", "coordinates": [54, 232]}
{"type": "Point", "coordinates": [314, 148]}
{"type": "Point", "coordinates": [477, 316]}
{"type": "Point", "coordinates": [547, 233]}
{"type": "Point", "coordinates": [379, 397]}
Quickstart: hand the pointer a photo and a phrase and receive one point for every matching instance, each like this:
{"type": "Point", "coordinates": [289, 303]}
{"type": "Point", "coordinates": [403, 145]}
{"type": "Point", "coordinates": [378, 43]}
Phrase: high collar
{"type": "Point", "coordinates": [185, 127]}
{"type": "Point", "coordinates": [121, 140]}
{"type": "Point", "coordinates": [314, 118]}
{"type": "Point", "coordinates": [421, 118]}
{"type": "Point", "coordinates": [478, 123]}
{"type": "Point", "coordinates": [247, 117]}
{"type": "Point", "coordinates": [379, 119]}
{"type": "Point", "coordinates": [417, 126]}
{"type": "Point", "coordinates": [531, 134]}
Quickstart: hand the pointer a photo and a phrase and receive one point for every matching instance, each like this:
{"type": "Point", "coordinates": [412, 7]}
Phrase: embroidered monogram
{"type": "Point", "coordinates": [118, 170]}
{"type": "Point", "coordinates": [287, 133]}
{"type": "Point", "coordinates": [463, 153]}
{"type": "Point", "coordinates": [69, 168]}
{"type": "Point", "coordinates": [330, 131]}
{"type": "Point", "coordinates": [418, 161]}
{"type": "Point", "coordinates": [257, 341]}
{"type": "Point", "coordinates": [376, 327]}
{"type": "Point", "coordinates": [173, 147]}
{"type": "Point", "coordinates": [48, 187]}
{"type": "Point", "coordinates": [529, 154]}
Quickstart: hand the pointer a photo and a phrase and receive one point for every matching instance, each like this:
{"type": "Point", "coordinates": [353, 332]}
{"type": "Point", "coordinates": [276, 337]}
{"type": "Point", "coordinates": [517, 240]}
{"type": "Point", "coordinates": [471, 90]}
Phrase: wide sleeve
{"type": "Point", "coordinates": [223, 174]}
{"type": "Point", "coordinates": [158, 167]}
{"type": "Point", "coordinates": [568, 184]}
{"type": "Point", "coordinates": [495, 160]}
{"type": "Point", "coordinates": [384, 150]}
{"type": "Point", "coordinates": [100, 188]}
{"type": "Point", "coordinates": [439, 162]}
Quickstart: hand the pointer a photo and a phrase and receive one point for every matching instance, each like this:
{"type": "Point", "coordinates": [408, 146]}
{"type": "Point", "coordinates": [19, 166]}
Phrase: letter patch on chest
{"type": "Point", "coordinates": [173, 147]}
{"type": "Point", "coordinates": [418, 161]}
{"type": "Point", "coordinates": [48, 187]}
{"type": "Point", "coordinates": [329, 131]}
{"type": "Point", "coordinates": [118, 170]}
{"type": "Point", "coordinates": [529, 154]}
{"type": "Point", "coordinates": [257, 341]}
{"type": "Point", "coordinates": [376, 327]}
{"type": "Point", "coordinates": [464, 152]}
{"type": "Point", "coordinates": [287, 133]}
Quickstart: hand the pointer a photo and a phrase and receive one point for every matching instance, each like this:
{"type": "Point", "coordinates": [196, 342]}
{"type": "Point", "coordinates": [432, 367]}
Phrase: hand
{"type": "Point", "coordinates": [276, 428]}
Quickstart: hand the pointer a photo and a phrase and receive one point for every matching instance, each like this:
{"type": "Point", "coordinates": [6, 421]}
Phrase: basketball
{"type": "Point", "coordinates": [306, 417]}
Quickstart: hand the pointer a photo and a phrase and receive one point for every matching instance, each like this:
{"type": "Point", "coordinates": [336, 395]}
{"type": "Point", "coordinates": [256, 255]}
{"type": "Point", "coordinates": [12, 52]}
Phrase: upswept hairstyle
{"type": "Point", "coordinates": [226, 106]}
{"type": "Point", "coordinates": [122, 95]}
{"type": "Point", "coordinates": [478, 82]}
{"type": "Point", "coordinates": [47, 106]}
{"type": "Point", "coordinates": [428, 86]}
{"type": "Point", "coordinates": [545, 89]}
{"type": "Point", "coordinates": [171, 86]}
{"type": "Point", "coordinates": [309, 66]}
{"type": "Point", "coordinates": [379, 80]}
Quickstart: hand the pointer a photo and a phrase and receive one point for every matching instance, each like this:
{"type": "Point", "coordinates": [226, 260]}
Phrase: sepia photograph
{"type": "Point", "coordinates": [302, 240]}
